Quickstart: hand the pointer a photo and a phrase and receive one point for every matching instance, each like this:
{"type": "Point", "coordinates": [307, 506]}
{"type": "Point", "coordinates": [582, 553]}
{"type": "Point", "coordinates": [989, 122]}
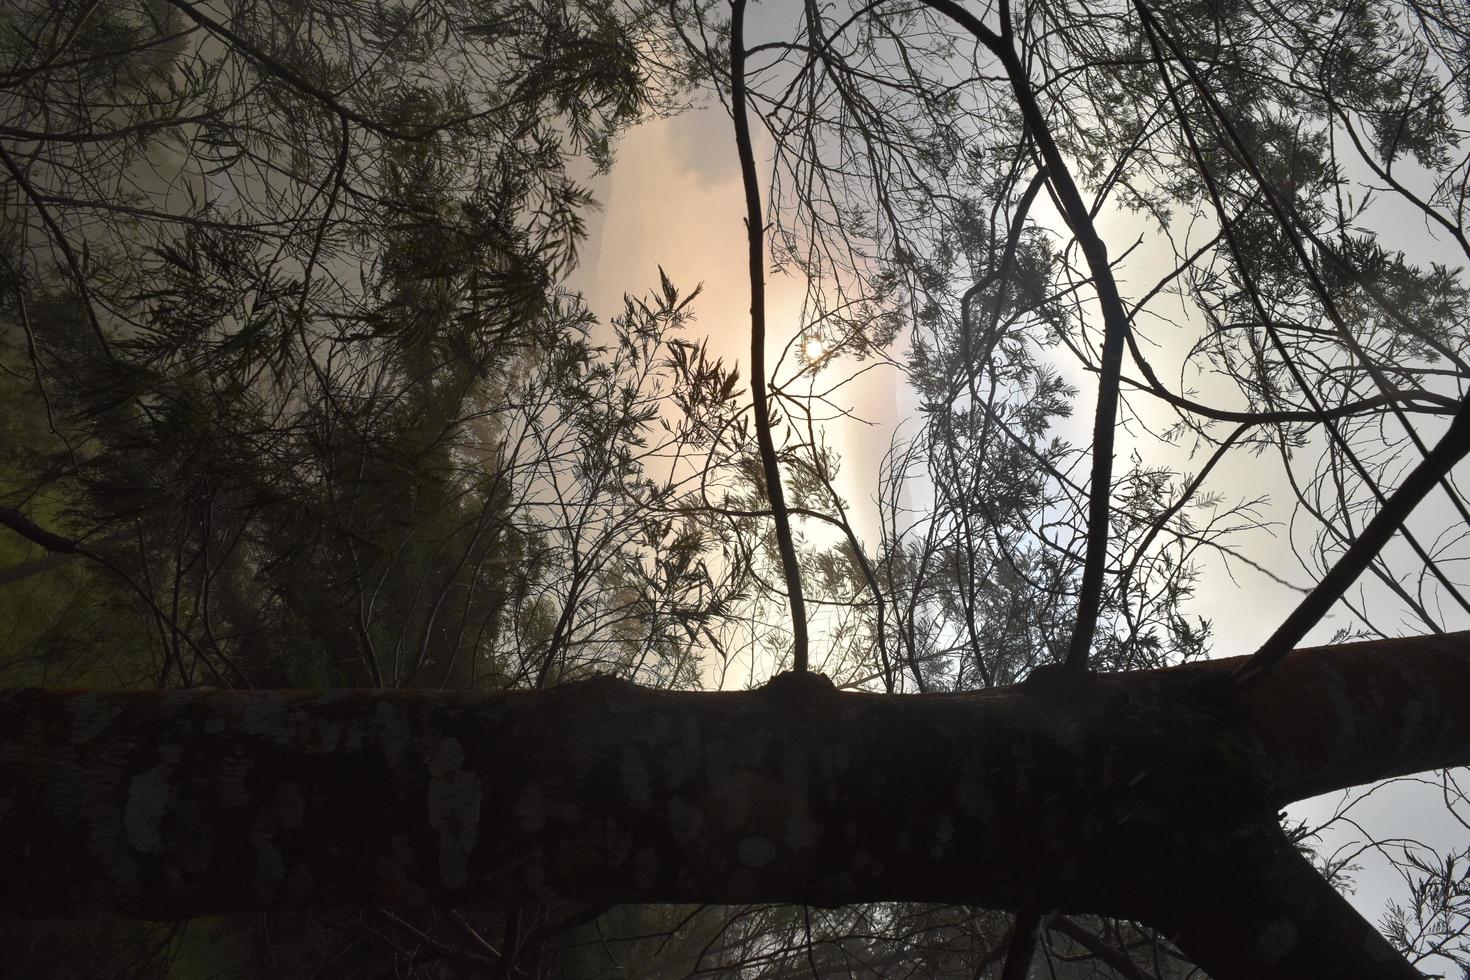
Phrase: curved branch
{"type": "Point", "coordinates": [755, 234]}
{"type": "Point", "coordinates": [34, 533]}
{"type": "Point", "coordinates": [1115, 327]}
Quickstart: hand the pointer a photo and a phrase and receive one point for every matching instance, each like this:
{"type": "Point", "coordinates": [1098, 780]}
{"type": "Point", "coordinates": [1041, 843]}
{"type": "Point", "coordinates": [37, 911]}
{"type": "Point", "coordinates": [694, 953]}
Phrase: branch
{"type": "Point", "coordinates": [1095, 793]}
{"type": "Point", "coordinates": [1115, 328]}
{"type": "Point", "coordinates": [281, 72]}
{"type": "Point", "coordinates": [1266, 913]}
{"type": "Point", "coordinates": [25, 569]}
{"type": "Point", "coordinates": [755, 231]}
{"type": "Point", "coordinates": [1116, 959]}
{"type": "Point", "coordinates": [1337, 581]}
{"type": "Point", "coordinates": [1361, 553]}
{"type": "Point", "coordinates": [1022, 946]}
{"type": "Point", "coordinates": [34, 533]}
{"type": "Point", "coordinates": [73, 262]}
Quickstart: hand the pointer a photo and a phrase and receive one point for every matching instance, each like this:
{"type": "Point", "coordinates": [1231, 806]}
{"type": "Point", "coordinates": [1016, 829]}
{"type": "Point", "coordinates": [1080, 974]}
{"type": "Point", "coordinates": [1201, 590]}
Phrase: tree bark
{"type": "Point", "coordinates": [1261, 910]}
{"type": "Point", "coordinates": [1125, 794]}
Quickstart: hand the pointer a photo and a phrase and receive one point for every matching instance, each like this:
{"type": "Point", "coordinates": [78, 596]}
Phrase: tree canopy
{"type": "Point", "coordinates": [297, 395]}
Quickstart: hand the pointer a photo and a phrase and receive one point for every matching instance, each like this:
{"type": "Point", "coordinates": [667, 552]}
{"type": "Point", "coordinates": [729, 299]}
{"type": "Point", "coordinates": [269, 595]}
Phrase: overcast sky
{"type": "Point", "coordinates": [674, 199]}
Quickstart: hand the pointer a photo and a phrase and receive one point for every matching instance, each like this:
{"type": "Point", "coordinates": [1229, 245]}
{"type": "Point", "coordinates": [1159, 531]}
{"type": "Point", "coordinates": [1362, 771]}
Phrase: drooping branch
{"type": "Point", "coordinates": [34, 533]}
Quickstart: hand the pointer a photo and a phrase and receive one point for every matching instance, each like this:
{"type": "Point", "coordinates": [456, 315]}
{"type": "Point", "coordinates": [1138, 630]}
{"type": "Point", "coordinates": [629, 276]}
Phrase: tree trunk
{"type": "Point", "coordinates": [1127, 795]}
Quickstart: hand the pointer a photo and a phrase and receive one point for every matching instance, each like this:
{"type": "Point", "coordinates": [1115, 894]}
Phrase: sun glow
{"type": "Point", "coordinates": [815, 348]}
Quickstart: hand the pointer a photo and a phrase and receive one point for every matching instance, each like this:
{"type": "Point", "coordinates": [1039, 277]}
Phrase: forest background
{"type": "Point", "coordinates": [319, 373]}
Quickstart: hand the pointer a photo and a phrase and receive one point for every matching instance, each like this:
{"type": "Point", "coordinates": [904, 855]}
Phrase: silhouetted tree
{"type": "Point", "coordinates": [298, 400]}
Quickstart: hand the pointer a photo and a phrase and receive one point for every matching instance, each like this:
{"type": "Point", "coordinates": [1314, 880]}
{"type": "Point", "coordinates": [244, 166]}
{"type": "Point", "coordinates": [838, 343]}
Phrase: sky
{"type": "Point", "coordinates": [674, 200]}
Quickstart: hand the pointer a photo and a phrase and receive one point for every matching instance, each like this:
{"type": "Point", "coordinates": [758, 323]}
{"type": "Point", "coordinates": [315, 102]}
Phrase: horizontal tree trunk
{"type": "Point", "coordinates": [1114, 794]}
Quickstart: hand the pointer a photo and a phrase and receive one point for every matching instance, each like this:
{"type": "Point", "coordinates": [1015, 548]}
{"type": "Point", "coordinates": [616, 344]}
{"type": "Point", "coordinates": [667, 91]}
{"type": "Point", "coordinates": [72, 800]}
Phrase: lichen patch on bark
{"type": "Point", "coordinates": [454, 811]}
